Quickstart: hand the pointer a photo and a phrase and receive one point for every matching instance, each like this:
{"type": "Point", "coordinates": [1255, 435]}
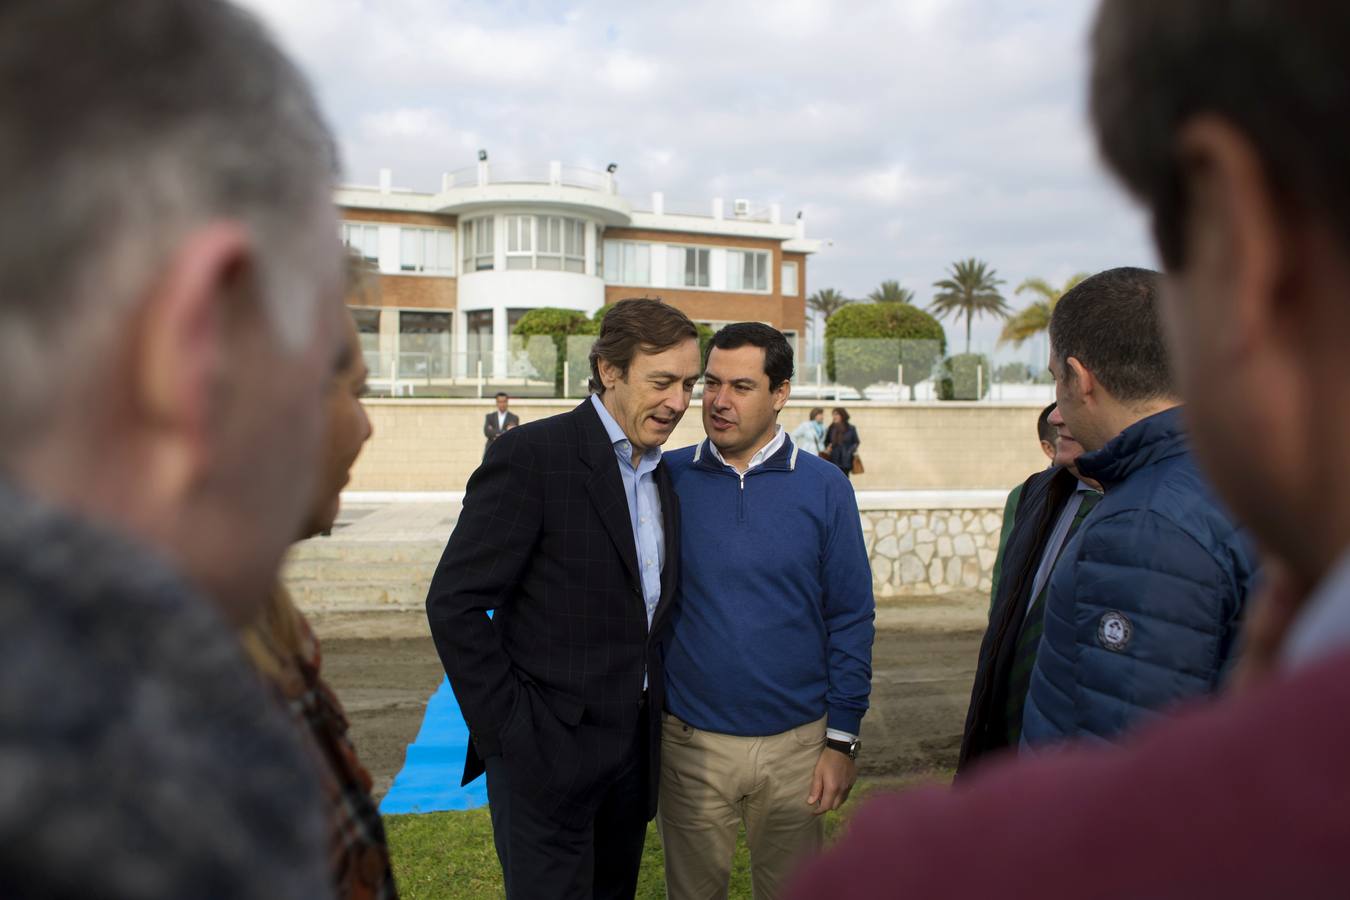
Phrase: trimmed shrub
{"type": "Point", "coordinates": [865, 343]}
{"type": "Point", "coordinates": [964, 376]}
{"type": "Point", "coordinates": [554, 323]}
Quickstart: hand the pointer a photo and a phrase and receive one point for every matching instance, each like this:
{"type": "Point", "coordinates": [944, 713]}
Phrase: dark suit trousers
{"type": "Point", "coordinates": [543, 859]}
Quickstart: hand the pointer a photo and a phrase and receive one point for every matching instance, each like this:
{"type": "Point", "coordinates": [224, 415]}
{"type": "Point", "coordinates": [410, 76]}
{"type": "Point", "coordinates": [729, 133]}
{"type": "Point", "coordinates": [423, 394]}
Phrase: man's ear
{"type": "Point", "coordinates": [183, 327]}
{"type": "Point", "coordinates": [1234, 229]}
{"type": "Point", "coordinates": [781, 394]}
{"type": "Point", "coordinates": [1087, 385]}
{"type": "Point", "coordinates": [609, 373]}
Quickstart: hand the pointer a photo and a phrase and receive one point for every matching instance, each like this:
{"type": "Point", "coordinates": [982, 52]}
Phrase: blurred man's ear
{"type": "Point", "coordinates": [1236, 234]}
{"type": "Point", "coordinates": [1048, 448]}
{"type": "Point", "coordinates": [181, 357]}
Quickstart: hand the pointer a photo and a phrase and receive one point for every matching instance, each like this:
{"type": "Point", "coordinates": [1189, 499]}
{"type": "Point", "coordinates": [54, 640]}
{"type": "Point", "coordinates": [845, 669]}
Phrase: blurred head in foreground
{"type": "Point", "coordinates": [1229, 122]}
{"type": "Point", "coordinates": [170, 279]}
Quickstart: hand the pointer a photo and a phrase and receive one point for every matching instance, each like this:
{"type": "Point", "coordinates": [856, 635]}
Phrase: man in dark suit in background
{"type": "Point", "coordinates": [570, 531]}
{"type": "Point", "coordinates": [497, 423]}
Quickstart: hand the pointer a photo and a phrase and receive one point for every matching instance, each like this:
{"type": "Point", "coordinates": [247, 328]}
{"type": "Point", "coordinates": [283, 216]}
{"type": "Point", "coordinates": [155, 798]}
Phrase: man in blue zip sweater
{"type": "Point", "coordinates": [769, 659]}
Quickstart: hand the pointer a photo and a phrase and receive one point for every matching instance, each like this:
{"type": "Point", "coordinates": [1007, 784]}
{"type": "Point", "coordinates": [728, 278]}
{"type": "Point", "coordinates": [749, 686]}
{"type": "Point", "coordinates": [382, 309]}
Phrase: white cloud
{"type": "Point", "coordinates": [911, 132]}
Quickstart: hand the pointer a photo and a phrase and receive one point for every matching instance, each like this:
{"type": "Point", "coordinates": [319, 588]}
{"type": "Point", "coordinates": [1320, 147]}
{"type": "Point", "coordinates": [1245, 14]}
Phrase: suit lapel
{"type": "Point", "coordinates": [670, 523]}
{"type": "Point", "coordinates": [604, 484]}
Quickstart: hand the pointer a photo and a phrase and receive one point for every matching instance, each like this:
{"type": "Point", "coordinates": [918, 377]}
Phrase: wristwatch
{"type": "Point", "coordinates": [848, 748]}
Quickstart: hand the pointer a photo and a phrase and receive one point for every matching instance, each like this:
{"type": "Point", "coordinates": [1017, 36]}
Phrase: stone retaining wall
{"type": "Point", "coordinates": [931, 551]}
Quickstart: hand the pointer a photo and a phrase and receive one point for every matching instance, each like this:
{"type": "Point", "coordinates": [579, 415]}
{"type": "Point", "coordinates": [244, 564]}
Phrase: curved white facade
{"type": "Point", "coordinates": [502, 291]}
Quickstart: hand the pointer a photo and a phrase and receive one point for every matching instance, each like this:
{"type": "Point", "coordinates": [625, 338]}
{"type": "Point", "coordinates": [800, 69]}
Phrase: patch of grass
{"type": "Point", "coordinates": [449, 855]}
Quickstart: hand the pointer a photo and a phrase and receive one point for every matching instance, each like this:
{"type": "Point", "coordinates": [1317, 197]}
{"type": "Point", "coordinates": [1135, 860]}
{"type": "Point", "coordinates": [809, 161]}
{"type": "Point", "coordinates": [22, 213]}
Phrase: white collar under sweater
{"type": "Point", "coordinates": [773, 446]}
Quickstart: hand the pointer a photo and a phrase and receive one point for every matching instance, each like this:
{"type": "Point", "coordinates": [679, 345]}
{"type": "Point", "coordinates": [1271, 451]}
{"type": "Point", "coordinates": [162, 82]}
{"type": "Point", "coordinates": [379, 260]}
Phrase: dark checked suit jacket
{"type": "Point", "coordinates": [554, 679]}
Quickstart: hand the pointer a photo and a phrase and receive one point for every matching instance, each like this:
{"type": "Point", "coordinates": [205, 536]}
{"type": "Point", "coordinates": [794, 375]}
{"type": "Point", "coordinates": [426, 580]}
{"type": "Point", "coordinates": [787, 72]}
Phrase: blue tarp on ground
{"type": "Point", "coordinates": [429, 781]}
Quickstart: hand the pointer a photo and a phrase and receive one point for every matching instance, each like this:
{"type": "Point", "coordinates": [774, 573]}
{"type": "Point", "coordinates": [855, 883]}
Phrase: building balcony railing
{"type": "Point", "coordinates": [553, 173]}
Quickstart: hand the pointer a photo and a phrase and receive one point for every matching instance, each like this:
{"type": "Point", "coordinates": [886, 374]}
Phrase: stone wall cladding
{"type": "Point", "coordinates": [924, 552]}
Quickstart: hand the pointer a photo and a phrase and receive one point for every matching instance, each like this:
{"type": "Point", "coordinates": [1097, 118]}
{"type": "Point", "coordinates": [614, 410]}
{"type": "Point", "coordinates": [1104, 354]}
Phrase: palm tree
{"type": "Point", "coordinates": [827, 302]}
{"type": "Point", "coordinates": [972, 289]}
{"type": "Point", "coordinates": [891, 292]}
{"type": "Point", "coordinates": [1035, 318]}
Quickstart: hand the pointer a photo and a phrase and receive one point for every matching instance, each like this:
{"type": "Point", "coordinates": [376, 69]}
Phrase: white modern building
{"type": "Point", "coordinates": [460, 266]}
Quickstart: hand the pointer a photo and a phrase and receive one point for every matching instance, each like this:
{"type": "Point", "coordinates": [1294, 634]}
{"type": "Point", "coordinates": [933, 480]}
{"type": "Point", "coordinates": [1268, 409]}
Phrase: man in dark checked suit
{"type": "Point", "coordinates": [570, 532]}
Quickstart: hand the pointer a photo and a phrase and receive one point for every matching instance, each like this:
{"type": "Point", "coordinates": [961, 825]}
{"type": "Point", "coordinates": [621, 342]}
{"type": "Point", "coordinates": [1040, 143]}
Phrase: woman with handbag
{"type": "Point", "coordinates": [841, 443]}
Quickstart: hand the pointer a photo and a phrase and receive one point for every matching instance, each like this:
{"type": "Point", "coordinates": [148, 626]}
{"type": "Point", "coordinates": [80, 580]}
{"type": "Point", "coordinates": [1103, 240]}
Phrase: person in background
{"type": "Point", "coordinates": [285, 651]}
{"type": "Point", "coordinates": [170, 308]}
{"type": "Point", "coordinates": [810, 435]}
{"type": "Point", "coordinates": [1046, 433]}
{"type": "Point", "coordinates": [500, 421]}
{"type": "Point", "coordinates": [841, 441]}
{"type": "Point", "coordinates": [1054, 504]}
{"type": "Point", "coordinates": [1228, 121]}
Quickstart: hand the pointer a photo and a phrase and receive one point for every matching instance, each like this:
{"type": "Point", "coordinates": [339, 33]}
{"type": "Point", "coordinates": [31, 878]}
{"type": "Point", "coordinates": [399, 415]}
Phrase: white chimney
{"type": "Point", "coordinates": [776, 213]}
{"type": "Point", "coordinates": [555, 172]}
{"type": "Point", "coordinates": [386, 180]}
{"type": "Point", "coordinates": [717, 208]}
{"type": "Point", "coordinates": [658, 203]}
{"type": "Point", "coordinates": [446, 181]}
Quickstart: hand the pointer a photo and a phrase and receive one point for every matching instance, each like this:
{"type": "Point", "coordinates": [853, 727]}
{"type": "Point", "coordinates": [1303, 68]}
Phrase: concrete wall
{"type": "Point", "coordinates": [919, 544]}
{"type": "Point", "coordinates": [434, 445]}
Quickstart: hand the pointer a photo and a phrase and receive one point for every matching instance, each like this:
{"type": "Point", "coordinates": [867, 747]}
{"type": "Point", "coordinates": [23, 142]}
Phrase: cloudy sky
{"type": "Point", "coordinates": [910, 133]}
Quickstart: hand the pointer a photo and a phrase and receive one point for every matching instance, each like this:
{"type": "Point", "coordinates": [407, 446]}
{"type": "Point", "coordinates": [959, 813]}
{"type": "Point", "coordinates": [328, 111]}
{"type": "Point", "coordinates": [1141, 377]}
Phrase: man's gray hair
{"type": "Point", "coordinates": [122, 127]}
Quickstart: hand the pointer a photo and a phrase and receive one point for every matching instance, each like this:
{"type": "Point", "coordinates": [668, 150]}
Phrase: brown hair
{"type": "Point", "coordinates": [642, 324]}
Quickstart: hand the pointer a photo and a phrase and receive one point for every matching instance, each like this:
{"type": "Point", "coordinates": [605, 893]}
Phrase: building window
{"type": "Point", "coordinates": [429, 250]}
{"type": "Point", "coordinates": [478, 334]}
{"type": "Point", "coordinates": [552, 243]}
{"type": "Point", "coordinates": [628, 263]}
{"type": "Point", "coordinates": [789, 279]}
{"type": "Point", "coordinates": [687, 267]}
{"type": "Point", "coordinates": [423, 344]}
{"type": "Point", "coordinates": [747, 270]}
{"type": "Point", "coordinates": [574, 245]}
{"type": "Point", "coordinates": [363, 240]}
{"type": "Point", "coordinates": [476, 235]}
{"type": "Point", "coordinates": [520, 242]}
{"type": "Point", "coordinates": [368, 327]}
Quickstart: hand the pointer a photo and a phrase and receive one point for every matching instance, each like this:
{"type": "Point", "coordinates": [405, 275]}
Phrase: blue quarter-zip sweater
{"type": "Point", "coordinates": [775, 623]}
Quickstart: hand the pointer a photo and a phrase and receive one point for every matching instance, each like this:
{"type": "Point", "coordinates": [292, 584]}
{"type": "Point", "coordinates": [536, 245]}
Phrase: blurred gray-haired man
{"type": "Point", "coordinates": [170, 301]}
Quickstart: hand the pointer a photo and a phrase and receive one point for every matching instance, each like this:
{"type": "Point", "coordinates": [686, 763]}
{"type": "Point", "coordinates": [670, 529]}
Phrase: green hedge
{"type": "Point", "coordinates": [866, 342]}
{"type": "Point", "coordinates": [964, 376]}
{"type": "Point", "coordinates": [558, 324]}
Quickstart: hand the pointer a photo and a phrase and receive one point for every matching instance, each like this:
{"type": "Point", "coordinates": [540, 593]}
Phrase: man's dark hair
{"type": "Point", "coordinates": [1044, 430]}
{"type": "Point", "coordinates": [642, 324]}
{"type": "Point", "coordinates": [1110, 324]}
{"type": "Point", "coordinates": [777, 350]}
{"type": "Point", "coordinates": [501, 394]}
{"type": "Point", "coordinates": [1278, 72]}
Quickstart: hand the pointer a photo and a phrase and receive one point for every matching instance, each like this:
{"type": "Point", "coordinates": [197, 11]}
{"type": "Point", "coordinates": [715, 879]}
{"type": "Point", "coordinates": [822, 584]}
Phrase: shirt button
{"type": "Point", "coordinates": [643, 520]}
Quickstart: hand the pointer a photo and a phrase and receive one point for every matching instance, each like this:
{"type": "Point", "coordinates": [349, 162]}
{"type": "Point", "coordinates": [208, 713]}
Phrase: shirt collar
{"type": "Point", "coordinates": [1324, 624]}
{"type": "Point", "coordinates": [773, 446]}
{"type": "Point", "coordinates": [616, 436]}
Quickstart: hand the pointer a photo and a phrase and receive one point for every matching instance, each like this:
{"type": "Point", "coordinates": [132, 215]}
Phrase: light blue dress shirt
{"type": "Point", "coordinates": [644, 507]}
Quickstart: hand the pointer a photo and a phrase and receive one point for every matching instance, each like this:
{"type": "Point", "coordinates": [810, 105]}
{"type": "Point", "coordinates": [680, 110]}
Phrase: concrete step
{"type": "Point", "coordinates": [328, 575]}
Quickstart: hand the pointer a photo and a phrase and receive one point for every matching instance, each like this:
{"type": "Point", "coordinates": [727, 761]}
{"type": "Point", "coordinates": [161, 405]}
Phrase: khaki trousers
{"type": "Point", "coordinates": [711, 783]}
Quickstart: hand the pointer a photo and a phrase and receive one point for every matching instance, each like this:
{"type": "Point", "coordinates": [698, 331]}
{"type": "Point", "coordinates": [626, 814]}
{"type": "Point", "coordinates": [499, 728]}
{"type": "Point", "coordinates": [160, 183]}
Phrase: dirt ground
{"type": "Point", "coordinates": [385, 668]}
